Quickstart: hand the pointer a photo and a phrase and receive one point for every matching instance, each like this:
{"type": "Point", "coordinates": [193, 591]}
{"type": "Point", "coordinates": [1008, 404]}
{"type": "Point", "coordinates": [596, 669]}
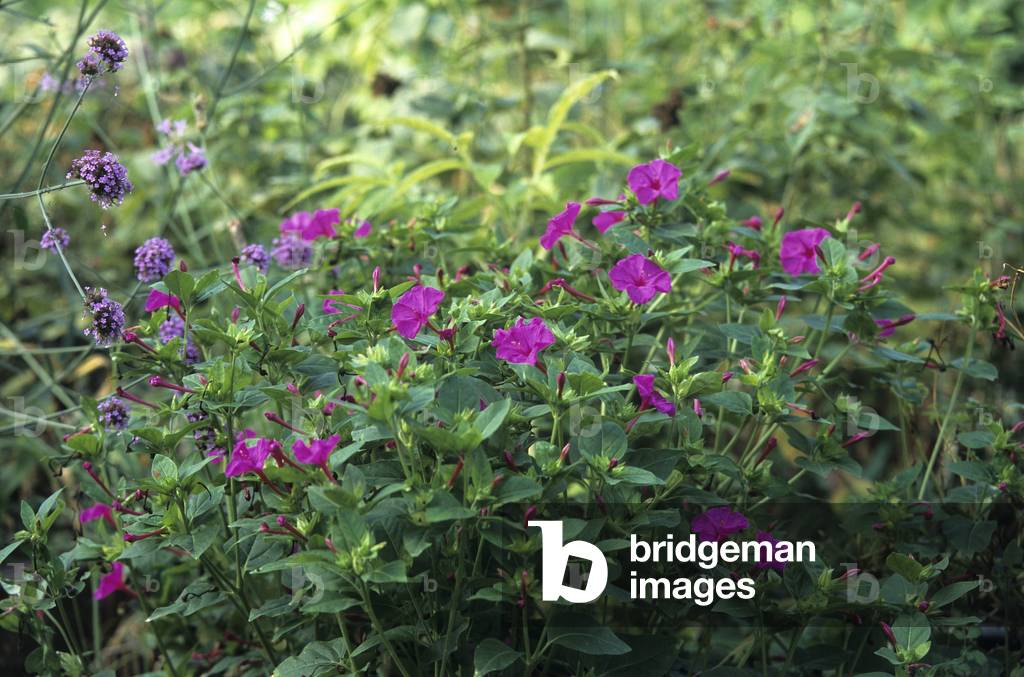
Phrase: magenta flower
{"type": "Point", "coordinates": [653, 180]}
{"type": "Point", "coordinates": [522, 342]}
{"type": "Point", "coordinates": [112, 582]}
{"type": "Point", "coordinates": [330, 306]}
{"type": "Point", "coordinates": [798, 252]}
{"type": "Point", "coordinates": [316, 452]}
{"type": "Point", "coordinates": [363, 230]}
{"type": "Point", "coordinates": [158, 299]}
{"type": "Point", "coordinates": [98, 511]}
{"type": "Point", "coordinates": [639, 277]}
{"type": "Point", "coordinates": [888, 327]}
{"type": "Point", "coordinates": [560, 225]}
{"type": "Point", "coordinates": [312, 225]}
{"type": "Point", "coordinates": [769, 563]}
{"type": "Point", "coordinates": [246, 459]}
{"type": "Point", "coordinates": [413, 309]}
{"type": "Point", "coordinates": [649, 397]}
{"type": "Point", "coordinates": [718, 524]}
{"type": "Point", "coordinates": [606, 220]}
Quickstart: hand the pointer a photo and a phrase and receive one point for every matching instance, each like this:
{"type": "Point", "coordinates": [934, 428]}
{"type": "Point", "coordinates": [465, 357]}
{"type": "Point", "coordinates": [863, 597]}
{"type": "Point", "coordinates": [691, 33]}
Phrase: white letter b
{"type": "Point", "coordinates": [555, 558]}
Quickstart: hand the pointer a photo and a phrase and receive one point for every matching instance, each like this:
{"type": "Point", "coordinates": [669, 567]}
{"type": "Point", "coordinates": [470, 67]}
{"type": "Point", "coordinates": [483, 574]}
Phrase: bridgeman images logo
{"type": "Point", "coordinates": [707, 555]}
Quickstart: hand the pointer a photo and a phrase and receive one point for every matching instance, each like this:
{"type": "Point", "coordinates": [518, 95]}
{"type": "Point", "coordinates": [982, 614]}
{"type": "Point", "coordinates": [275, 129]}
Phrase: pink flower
{"type": "Point", "coordinates": [364, 229]}
{"type": "Point", "coordinates": [330, 306]}
{"type": "Point", "coordinates": [606, 220]}
{"type": "Point", "coordinates": [560, 225]}
{"type": "Point", "coordinates": [798, 252]}
{"type": "Point", "coordinates": [888, 327]}
{"type": "Point", "coordinates": [522, 342]}
{"type": "Point", "coordinates": [754, 222]}
{"type": "Point", "coordinates": [158, 299]}
{"type": "Point", "coordinates": [736, 251]}
{"type": "Point", "coordinates": [639, 277]}
{"type": "Point", "coordinates": [112, 582]}
{"type": "Point", "coordinates": [317, 452]}
{"type": "Point", "coordinates": [649, 397]}
{"type": "Point", "coordinates": [98, 511]}
{"type": "Point", "coordinates": [718, 524]}
{"type": "Point", "coordinates": [769, 563]}
{"type": "Point", "coordinates": [246, 459]}
{"type": "Point", "coordinates": [653, 180]}
{"type": "Point", "coordinates": [413, 309]}
{"type": "Point", "coordinates": [312, 225]}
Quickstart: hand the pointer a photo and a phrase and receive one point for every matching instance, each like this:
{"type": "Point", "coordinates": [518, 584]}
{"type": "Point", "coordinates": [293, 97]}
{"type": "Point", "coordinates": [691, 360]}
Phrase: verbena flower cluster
{"type": "Point", "coordinates": [106, 177]}
{"type": "Point", "coordinates": [105, 316]}
{"type": "Point", "coordinates": [153, 259]}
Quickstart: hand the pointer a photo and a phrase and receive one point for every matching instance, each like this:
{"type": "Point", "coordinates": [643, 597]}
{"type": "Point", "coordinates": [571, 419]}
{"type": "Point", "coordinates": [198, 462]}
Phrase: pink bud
{"type": "Point", "coordinates": [779, 307]}
{"type": "Point", "coordinates": [235, 312]}
{"type": "Point", "coordinates": [376, 279]}
{"type": "Point", "coordinates": [719, 177]}
{"type": "Point", "coordinates": [778, 216]}
{"type": "Point", "coordinates": [670, 348]}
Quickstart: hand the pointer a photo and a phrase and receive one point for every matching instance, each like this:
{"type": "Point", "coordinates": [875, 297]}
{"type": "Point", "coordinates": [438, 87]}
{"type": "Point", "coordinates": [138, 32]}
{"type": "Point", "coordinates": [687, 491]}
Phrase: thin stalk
{"type": "Point", "coordinates": [949, 415]}
{"type": "Point", "coordinates": [40, 191]}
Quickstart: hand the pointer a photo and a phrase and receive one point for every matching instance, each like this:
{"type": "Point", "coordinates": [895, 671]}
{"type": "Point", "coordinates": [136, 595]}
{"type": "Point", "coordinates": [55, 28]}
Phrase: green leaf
{"type": "Point", "coordinates": [734, 401]}
{"type": "Point", "coordinates": [579, 633]}
{"type": "Point", "coordinates": [951, 593]}
{"type": "Point", "coordinates": [491, 418]}
{"type": "Point", "coordinates": [904, 566]}
{"type": "Point", "coordinates": [912, 630]}
{"type": "Point", "coordinates": [492, 656]}
{"type": "Point", "coordinates": [977, 368]}
{"type": "Point", "coordinates": [968, 536]}
{"type": "Point", "coordinates": [977, 439]}
{"type": "Point", "coordinates": [165, 470]}
{"type": "Point", "coordinates": [180, 284]}
{"type": "Point", "coordinates": [608, 441]}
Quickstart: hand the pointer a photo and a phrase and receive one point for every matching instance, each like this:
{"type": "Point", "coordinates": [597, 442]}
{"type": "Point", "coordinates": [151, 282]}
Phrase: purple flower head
{"type": "Point", "coordinates": [114, 413]}
{"type": "Point", "coordinates": [606, 220]}
{"type": "Point", "coordinates": [246, 459]}
{"type": "Point", "coordinates": [191, 160]}
{"type": "Point", "coordinates": [174, 327]}
{"type": "Point", "coordinates": [560, 225]}
{"type": "Point", "coordinates": [310, 226]}
{"type": "Point", "coordinates": [54, 238]}
{"type": "Point", "coordinates": [163, 156]}
{"type": "Point", "coordinates": [363, 229]}
{"type": "Point", "coordinates": [717, 524]}
{"type": "Point", "coordinates": [798, 252]}
{"type": "Point", "coordinates": [412, 311]}
{"type": "Point", "coordinates": [110, 48]}
{"type": "Point", "coordinates": [649, 397]}
{"type": "Point", "coordinates": [317, 451]}
{"type": "Point", "coordinates": [99, 511]}
{"type": "Point", "coordinates": [522, 342]}
{"type": "Point", "coordinates": [256, 255]}
{"type": "Point", "coordinates": [89, 65]}
{"type": "Point", "coordinates": [106, 317]}
{"type": "Point", "coordinates": [640, 278]}
{"type": "Point", "coordinates": [291, 251]}
{"type": "Point", "coordinates": [112, 582]}
{"type": "Point", "coordinates": [655, 179]}
{"type": "Point", "coordinates": [153, 259]}
{"type": "Point", "coordinates": [769, 563]}
{"type": "Point", "coordinates": [106, 177]}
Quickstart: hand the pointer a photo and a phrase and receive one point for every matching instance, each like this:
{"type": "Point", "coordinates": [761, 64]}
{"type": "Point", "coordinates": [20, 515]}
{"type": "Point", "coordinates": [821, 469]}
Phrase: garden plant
{"type": "Point", "coordinates": [313, 309]}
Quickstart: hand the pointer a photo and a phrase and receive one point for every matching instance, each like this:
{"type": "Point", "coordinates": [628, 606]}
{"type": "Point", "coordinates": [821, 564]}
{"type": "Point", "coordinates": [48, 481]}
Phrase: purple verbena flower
{"type": "Point", "coordinates": [106, 177]}
{"type": "Point", "coordinates": [717, 524]}
{"type": "Point", "coordinates": [89, 65]}
{"type": "Point", "coordinates": [110, 48]}
{"type": "Point", "coordinates": [114, 413]}
{"type": "Point", "coordinates": [522, 342]}
{"type": "Point", "coordinates": [412, 311]}
{"type": "Point", "coordinates": [106, 317]}
{"type": "Point", "coordinates": [153, 259]}
{"type": "Point", "coordinates": [55, 237]}
{"type": "Point", "coordinates": [640, 278]}
{"type": "Point", "coordinates": [191, 160]}
{"type": "Point", "coordinates": [256, 255]}
{"type": "Point", "coordinates": [291, 251]}
{"type": "Point", "coordinates": [655, 179]}
{"type": "Point", "coordinates": [799, 250]}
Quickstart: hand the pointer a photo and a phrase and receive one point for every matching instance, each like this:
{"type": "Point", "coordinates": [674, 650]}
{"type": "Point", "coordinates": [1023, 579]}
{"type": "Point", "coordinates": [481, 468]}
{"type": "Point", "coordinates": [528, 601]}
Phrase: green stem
{"type": "Point", "coordinates": [40, 191]}
{"type": "Point", "coordinates": [949, 415]}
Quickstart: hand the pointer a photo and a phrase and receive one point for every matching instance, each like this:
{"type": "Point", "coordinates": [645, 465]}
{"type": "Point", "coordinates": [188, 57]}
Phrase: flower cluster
{"type": "Point", "coordinates": [106, 177]}
{"type": "Point", "coordinates": [105, 315]}
{"type": "Point", "coordinates": [153, 259]}
{"type": "Point", "coordinates": [188, 157]}
{"type": "Point", "coordinates": [256, 255]}
{"type": "Point", "coordinates": [55, 238]}
{"type": "Point", "coordinates": [113, 413]}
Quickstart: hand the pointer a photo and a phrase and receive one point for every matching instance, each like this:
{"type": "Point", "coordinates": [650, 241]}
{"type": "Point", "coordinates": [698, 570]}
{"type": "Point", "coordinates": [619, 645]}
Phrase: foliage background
{"type": "Point", "coordinates": [915, 108]}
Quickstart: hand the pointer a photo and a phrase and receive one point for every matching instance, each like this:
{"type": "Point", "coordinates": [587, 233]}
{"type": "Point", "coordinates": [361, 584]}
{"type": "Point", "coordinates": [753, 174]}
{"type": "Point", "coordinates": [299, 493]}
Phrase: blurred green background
{"type": "Point", "coordinates": [914, 108]}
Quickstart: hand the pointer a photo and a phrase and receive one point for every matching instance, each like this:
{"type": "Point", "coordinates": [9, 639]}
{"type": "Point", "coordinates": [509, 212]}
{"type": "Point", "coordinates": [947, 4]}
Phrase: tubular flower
{"type": "Point", "coordinates": [717, 524]}
{"type": "Point", "coordinates": [653, 180]}
{"type": "Point", "coordinates": [412, 311]}
{"type": "Point", "coordinates": [798, 252]}
{"type": "Point", "coordinates": [522, 342]}
{"type": "Point", "coordinates": [312, 225]}
{"type": "Point", "coordinates": [561, 225]}
{"type": "Point", "coordinates": [649, 397]}
{"type": "Point", "coordinates": [640, 278]}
